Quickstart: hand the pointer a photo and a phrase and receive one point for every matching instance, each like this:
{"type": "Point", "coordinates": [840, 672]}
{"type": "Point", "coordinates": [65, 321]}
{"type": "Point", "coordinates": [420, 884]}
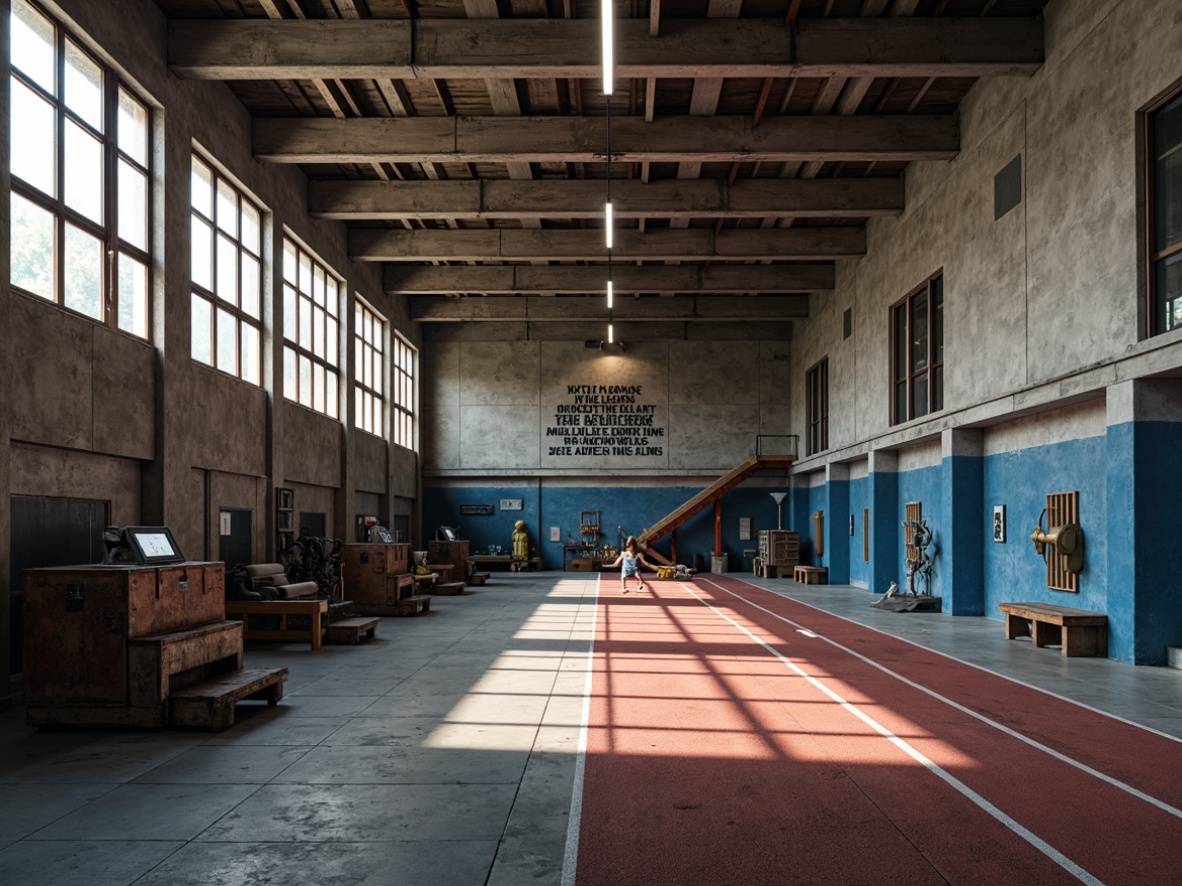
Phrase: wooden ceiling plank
{"type": "Point", "coordinates": [751, 198]}
{"type": "Point", "coordinates": [564, 139]}
{"type": "Point", "coordinates": [252, 49]}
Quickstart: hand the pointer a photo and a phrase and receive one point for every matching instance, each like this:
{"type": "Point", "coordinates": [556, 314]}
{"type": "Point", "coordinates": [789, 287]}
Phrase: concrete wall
{"type": "Point", "coordinates": [165, 439]}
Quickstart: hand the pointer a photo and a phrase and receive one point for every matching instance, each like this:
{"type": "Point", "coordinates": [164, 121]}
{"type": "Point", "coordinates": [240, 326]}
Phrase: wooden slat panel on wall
{"type": "Point", "coordinates": [913, 512]}
{"type": "Point", "coordinates": [1062, 508]}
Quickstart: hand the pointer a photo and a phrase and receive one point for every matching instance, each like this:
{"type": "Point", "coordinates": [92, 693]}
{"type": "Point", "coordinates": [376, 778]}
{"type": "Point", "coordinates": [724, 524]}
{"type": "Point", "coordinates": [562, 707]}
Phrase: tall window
{"type": "Point", "coordinates": [311, 306]}
{"type": "Point", "coordinates": [816, 383]}
{"type": "Point", "coordinates": [368, 338]}
{"type": "Point", "coordinates": [403, 412]}
{"type": "Point", "coordinates": [81, 147]}
{"type": "Point", "coordinates": [226, 259]}
{"type": "Point", "coordinates": [1165, 199]}
{"type": "Point", "coordinates": [917, 334]}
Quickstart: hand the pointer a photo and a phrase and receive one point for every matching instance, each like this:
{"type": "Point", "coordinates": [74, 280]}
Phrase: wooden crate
{"type": "Point", "coordinates": [454, 552]}
{"type": "Point", "coordinates": [779, 547]}
{"type": "Point", "coordinates": [372, 572]}
{"type": "Point", "coordinates": [397, 589]}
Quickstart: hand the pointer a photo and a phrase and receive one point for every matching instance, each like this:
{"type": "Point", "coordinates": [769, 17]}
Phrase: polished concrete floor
{"type": "Point", "coordinates": [443, 752]}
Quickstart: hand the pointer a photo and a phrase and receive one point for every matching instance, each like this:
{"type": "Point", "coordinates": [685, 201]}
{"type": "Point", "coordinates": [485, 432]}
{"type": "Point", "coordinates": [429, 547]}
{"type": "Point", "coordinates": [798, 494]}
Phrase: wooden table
{"type": "Point", "coordinates": [315, 609]}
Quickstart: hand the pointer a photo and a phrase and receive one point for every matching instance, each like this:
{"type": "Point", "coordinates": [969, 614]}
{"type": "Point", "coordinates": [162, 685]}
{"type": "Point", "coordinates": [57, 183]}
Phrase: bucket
{"type": "Point", "coordinates": [718, 563]}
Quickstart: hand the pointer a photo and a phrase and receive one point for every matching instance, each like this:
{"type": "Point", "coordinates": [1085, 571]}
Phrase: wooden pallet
{"type": "Point", "coordinates": [352, 630]}
{"type": "Point", "coordinates": [448, 588]}
{"type": "Point", "coordinates": [209, 704]}
{"type": "Point", "coordinates": [477, 579]}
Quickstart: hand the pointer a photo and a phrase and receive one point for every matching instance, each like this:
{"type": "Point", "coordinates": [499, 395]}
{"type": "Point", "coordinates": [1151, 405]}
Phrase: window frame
{"type": "Point", "coordinates": [816, 399]}
{"type": "Point", "coordinates": [292, 389]}
{"type": "Point", "coordinates": [369, 351]}
{"type": "Point", "coordinates": [241, 316]}
{"type": "Point", "coordinates": [403, 367]}
{"type": "Point", "coordinates": [1155, 312]}
{"type": "Point", "coordinates": [933, 369]}
{"type": "Point", "coordinates": [113, 246]}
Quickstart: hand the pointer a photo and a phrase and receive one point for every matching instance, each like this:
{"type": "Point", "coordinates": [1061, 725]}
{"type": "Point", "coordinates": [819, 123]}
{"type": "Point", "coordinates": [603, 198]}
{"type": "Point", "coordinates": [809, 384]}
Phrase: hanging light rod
{"type": "Point", "coordinates": [609, 64]}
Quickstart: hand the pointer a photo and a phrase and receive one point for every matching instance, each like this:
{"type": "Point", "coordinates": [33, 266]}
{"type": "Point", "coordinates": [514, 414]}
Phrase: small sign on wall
{"type": "Point", "coordinates": [744, 529]}
{"type": "Point", "coordinates": [512, 504]}
{"type": "Point", "coordinates": [224, 527]}
{"type": "Point", "coordinates": [999, 523]}
{"type": "Point", "coordinates": [555, 533]}
{"type": "Point", "coordinates": [476, 510]}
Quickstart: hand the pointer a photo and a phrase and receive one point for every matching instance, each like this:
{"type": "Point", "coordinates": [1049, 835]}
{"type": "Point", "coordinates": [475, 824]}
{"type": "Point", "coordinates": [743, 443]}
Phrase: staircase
{"type": "Point", "coordinates": [711, 494]}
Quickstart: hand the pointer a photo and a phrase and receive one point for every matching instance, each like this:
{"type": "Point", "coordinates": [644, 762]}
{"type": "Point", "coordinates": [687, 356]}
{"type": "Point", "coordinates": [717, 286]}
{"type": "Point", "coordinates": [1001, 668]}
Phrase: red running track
{"type": "Point", "coordinates": [737, 737]}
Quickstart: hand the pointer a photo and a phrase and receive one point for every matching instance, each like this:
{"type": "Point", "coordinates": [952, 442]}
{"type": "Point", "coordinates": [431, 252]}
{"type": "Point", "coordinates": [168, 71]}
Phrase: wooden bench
{"type": "Point", "coordinates": [413, 605]}
{"type": "Point", "coordinates": [314, 609]}
{"type": "Point", "coordinates": [1080, 632]}
{"type": "Point", "coordinates": [810, 575]}
{"type": "Point", "coordinates": [448, 588]}
{"type": "Point", "coordinates": [351, 630]}
{"type": "Point", "coordinates": [478, 579]}
{"type": "Point", "coordinates": [209, 704]}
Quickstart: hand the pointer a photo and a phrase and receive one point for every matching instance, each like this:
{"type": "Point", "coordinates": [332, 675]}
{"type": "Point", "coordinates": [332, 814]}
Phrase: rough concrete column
{"type": "Point", "coordinates": [6, 392]}
{"type": "Point", "coordinates": [837, 516]}
{"type": "Point", "coordinates": [1144, 457]}
{"type": "Point", "coordinates": [960, 532]}
{"type": "Point", "coordinates": [346, 495]}
{"type": "Point", "coordinates": [884, 523]}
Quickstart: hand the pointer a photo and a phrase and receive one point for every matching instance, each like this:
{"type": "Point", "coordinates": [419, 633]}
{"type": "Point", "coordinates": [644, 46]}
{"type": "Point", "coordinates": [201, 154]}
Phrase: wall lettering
{"type": "Point", "coordinates": [605, 420]}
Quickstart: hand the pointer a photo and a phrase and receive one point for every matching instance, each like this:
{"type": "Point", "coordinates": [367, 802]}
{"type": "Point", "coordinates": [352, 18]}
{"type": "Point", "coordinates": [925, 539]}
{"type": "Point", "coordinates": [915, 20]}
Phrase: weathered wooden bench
{"type": "Point", "coordinates": [810, 575]}
{"type": "Point", "coordinates": [314, 609]}
{"type": "Point", "coordinates": [352, 630]}
{"type": "Point", "coordinates": [477, 579]}
{"type": "Point", "coordinates": [209, 704]}
{"type": "Point", "coordinates": [448, 588]}
{"type": "Point", "coordinates": [1080, 632]}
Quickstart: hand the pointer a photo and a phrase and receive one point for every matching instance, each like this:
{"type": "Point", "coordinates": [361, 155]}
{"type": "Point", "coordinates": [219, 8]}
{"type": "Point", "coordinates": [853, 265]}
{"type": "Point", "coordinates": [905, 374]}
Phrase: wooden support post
{"type": "Point", "coordinates": [673, 546]}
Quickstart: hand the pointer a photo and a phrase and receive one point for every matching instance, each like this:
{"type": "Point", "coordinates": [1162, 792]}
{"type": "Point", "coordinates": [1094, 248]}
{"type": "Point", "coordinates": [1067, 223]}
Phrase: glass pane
{"type": "Point", "coordinates": [289, 374]}
{"type": "Point", "coordinates": [1168, 286]}
{"type": "Point", "coordinates": [378, 368]}
{"type": "Point", "coordinates": [305, 381]}
{"type": "Point", "coordinates": [333, 296]}
{"type": "Point", "coordinates": [250, 228]}
{"type": "Point", "coordinates": [31, 238]}
{"type": "Point", "coordinates": [133, 296]}
{"type": "Point", "coordinates": [331, 393]}
{"type": "Point", "coordinates": [359, 408]}
{"type": "Point", "coordinates": [305, 324]}
{"type": "Point", "coordinates": [318, 333]}
{"type": "Point", "coordinates": [289, 263]}
{"type": "Point", "coordinates": [250, 353]}
{"type": "Point", "coordinates": [83, 256]}
{"type": "Point", "coordinates": [33, 139]}
{"type": "Point", "coordinates": [227, 265]}
{"type": "Point", "coordinates": [318, 387]}
{"type": "Point", "coordinates": [901, 370]}
{"type": "Point", "coordinates": [900, 402]}
{"type": "Point", "coordinates": [201, 185]}
{"type": "Point", "coordinates": [84, 86]}
{"type": "Point", "coordinates": [32, 44]}
{"type": "Point", "coordinates": [305, 282]}
{"type": "Point", "coordinates": [366, 367]}
{"type": "Point", "coordinates": [132, 134]}
{"type": "Point", "coordinates": [202, 329]}
{"type": "Point", "coordinates": [227, 342]}
{"type": "Point", "coordinates": [227, 209]}
{"type": "Point", "coordinates": [289, 313]}
{"type": "Point", "coordinates": [331, 344]}
{"type": "Point", "coordinates": [937, 388]}
{"type": "Point", "coordinates": [83, 163]}
{"type": "Point", "coordinates": [318, 285]}
{"type": "Point", "coordinates": [201, 253]}
{"type": "Point", "coordinates": [938, 321]}
{"type": "Point", "coordinates": [919, 395]}
{"type": "Point", "coordinates": [133, 205]}
{"type": "Point", "coordinates": [250, 285]}
{"type": "Point", "coordinates": [1167, 198]}
{"type": "Point", "coordinates": [919, 332]}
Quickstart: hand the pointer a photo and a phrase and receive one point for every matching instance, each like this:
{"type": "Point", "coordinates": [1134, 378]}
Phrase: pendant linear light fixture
{"type": "Point", "coordinates": [606, 12]}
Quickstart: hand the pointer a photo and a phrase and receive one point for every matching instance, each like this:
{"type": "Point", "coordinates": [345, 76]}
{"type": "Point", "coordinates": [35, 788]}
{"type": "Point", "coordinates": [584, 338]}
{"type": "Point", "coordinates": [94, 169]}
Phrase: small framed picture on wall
{"type": "Point", "coordinates": [999, 523]}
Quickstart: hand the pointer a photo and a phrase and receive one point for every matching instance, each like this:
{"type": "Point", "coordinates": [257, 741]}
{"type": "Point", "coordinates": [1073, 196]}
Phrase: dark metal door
{"type": "Point", "coordinates": [313, 523]}
{"type": "Point", "coordinates": [234, 536]}
{"type": "Point", "coordinates": [50, 532]}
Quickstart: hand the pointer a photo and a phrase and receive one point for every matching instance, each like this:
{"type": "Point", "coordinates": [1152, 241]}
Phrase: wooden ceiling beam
{"type": "Point", "coordinates": [582, 140]}
{"type": "Point", "coordinates": [262, 49]}
{"type": "Point", "coordinates": [574, 199]}
{"type": "Point", "coordinates": [698, 308]}
{"type": "Point", "coordinates": [584, 279]}
{"type": "Point", "coordinates": [696, 244]}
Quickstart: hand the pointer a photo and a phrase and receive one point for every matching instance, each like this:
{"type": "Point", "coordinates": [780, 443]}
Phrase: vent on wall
{"type": "Point", "coordinates": [847, 323]}
{"type": "Point", "coordinates": [1007, 188]}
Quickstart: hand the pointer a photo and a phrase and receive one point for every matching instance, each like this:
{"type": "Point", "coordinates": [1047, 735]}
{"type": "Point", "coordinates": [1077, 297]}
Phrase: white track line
{"type": "Point", "coordinates": [1083, 767]}
{"type": "Point", "coordinates": [1029, 836]}
{"type": "Point", "coordinates": [570, 857]}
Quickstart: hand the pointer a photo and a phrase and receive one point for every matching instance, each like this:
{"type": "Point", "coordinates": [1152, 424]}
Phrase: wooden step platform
{"type": "Point", "coordinates": [771, 570]}
{"type": "Point", "coordinates": [209, 704]}
{"type": "Point", "coordinates": [448, 588]}
{"type": "Point", "coordinates": [477, 579]}
{"type": "Point", "coordinates": [810, 575]}
{"type": "Point", "coordinates": [156, 661]}
{"type": "Point", "coordinates": [352, 630]}
{"type": "Point", "coordinates": [412, 604]}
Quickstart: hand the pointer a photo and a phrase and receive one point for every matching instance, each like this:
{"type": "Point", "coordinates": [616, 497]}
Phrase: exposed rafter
{"type": "Point", "coordinates": [698, 308]}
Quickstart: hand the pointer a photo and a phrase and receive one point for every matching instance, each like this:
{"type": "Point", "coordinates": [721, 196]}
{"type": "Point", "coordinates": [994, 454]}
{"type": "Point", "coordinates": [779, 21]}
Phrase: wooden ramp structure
{"type": "Point", "coordinates": [711, 495]}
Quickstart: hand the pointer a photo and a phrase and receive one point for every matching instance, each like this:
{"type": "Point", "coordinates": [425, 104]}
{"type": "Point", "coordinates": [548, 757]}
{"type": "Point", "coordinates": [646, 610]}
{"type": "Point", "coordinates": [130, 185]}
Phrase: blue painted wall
{"type": "Point", "coordinates": [629, 507]}
{"type": "Point", "coordinates": [924, 486]}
